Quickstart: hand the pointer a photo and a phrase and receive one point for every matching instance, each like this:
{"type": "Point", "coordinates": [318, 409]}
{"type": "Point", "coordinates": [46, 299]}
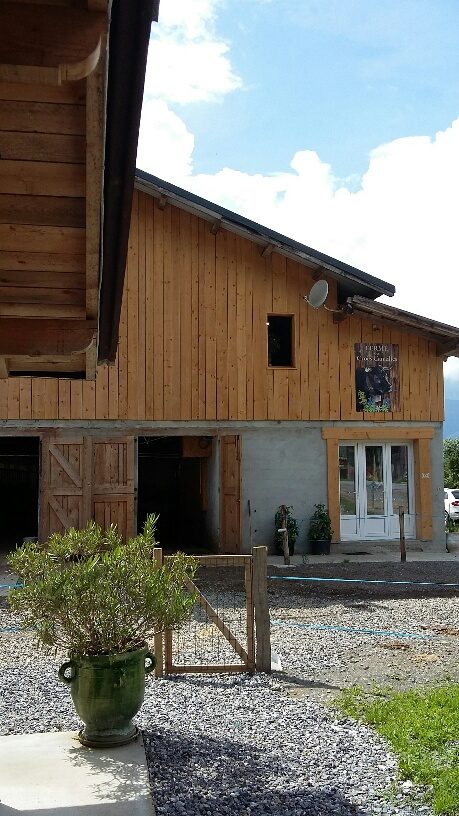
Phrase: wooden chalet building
{"type": "Point", "coordinates": [230, 392]}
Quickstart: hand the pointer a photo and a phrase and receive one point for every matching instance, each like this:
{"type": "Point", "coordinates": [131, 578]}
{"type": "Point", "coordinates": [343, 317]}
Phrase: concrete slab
{"type": "Point", "coordinates": [364, 558]}
{"type": "Point", "coordinates": [54, 775]}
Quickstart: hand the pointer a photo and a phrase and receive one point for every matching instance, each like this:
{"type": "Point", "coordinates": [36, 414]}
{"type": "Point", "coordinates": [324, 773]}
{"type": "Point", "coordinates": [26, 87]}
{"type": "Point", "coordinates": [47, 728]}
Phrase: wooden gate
{"type": "Point", "coordinates": [230, 494]}
{"type": "Point", "coordinates": [252, 651]}
{"type": "Point", "coordinates": [84, 478]}
{"type": "Point", "coordinates": [114, 483]}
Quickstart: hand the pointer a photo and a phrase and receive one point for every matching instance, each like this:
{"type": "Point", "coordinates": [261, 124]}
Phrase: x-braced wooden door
{"type": "Point", "coordinates": [84, 478]}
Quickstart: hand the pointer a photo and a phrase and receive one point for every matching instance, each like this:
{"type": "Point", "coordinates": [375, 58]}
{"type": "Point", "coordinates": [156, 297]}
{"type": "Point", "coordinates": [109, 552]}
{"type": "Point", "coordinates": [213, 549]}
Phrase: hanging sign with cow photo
{"type": "Point", "coordinates": [377, 377]}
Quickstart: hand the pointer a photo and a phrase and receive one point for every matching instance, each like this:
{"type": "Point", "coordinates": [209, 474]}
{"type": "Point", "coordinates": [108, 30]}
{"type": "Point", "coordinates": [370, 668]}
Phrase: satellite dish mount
{"type": "Point", "coordinates": [318, 295]}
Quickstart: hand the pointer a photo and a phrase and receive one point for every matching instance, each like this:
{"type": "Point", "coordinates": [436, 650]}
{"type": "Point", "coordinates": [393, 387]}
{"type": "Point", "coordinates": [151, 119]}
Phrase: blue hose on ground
{"type": "Point", "coordinates": [360, 581]}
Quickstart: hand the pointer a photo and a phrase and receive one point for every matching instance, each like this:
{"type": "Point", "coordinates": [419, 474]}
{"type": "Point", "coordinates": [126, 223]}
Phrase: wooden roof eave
{"type": "Point", "coordinates": [445, 336]}
{"type": "Point", "coordinates": [269, 241]}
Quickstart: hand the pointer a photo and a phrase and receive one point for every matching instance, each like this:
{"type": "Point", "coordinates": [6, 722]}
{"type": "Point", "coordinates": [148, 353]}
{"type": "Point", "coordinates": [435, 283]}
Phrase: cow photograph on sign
{"type": "Point", "coordinates": [377, 379]}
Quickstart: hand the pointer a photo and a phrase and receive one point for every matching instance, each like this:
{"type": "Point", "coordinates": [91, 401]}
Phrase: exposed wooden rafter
{"type": "Point", "coordinates": [4, 368]}
{"type": "Point", "coordinates": [216, 226]}
{"type": "Point", "coordinates": [50, 75]}
{"type": "Point", "coordinates": [35, 337]}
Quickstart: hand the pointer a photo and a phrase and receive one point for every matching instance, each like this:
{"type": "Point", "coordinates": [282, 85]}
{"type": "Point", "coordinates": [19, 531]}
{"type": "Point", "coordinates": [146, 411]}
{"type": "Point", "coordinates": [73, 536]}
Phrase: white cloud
{"type": "Point", "coordinates": [187, 61]}
{"type": "Point", "coordinates": [399, 225]}
{"type": "Point", "coordinates": [451, 372]}
{"type": "Point", "coordinates": [165, 144]}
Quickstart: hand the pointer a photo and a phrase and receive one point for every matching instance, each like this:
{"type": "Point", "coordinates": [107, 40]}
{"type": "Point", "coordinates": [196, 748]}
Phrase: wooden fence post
{"type": "Point", "coordinates": [401, 518]}
{"type": "Point", "coordinates": [158, 639]}
{"type": "Point", "coordinates": [260, 602]}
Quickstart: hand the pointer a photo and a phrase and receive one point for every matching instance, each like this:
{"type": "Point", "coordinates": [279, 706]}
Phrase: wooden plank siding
{"type": "Point", "coordinates": [193, 338]}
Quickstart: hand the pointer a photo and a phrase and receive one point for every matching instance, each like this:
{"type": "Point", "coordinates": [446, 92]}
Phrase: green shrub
{"type": "Point", "coordinates": [320, 528]}
{"type": "Point", "coordinates": [87, 592]}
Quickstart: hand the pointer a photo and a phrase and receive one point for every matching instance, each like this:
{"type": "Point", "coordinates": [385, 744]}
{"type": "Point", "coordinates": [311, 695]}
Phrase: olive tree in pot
{"type": "Point", "coordinates": [320, 531]}
{"type": "Point", "coordinates": [101, 600]}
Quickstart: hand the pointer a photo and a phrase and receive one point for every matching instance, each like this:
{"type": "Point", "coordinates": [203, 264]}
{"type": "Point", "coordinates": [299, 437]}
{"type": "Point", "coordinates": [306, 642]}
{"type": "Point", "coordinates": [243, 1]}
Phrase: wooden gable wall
{"type": "Point", "coordinates": [193, 340]}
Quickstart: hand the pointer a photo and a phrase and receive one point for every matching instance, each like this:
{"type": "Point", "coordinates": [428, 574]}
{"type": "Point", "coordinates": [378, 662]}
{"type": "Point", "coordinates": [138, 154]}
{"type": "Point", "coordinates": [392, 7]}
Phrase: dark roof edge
{"type": "Point", "coordinates": [148, 183]}
{"type": "Point", "coordinates": [129, 36]}
{"type": "Point", "coordinates": [437, 330]}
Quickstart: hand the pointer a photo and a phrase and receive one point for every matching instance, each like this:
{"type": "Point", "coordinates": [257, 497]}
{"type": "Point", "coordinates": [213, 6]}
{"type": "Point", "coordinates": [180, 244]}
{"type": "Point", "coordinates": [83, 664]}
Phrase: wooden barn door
{"type": "Point", "coordinates": [84, 478]}
{"type": "Point", "coordinates": [65, 499]}
{"type": "Point", "coordinates": [114, 483]}
{"type": "Point", "coordinates": [230, 494]}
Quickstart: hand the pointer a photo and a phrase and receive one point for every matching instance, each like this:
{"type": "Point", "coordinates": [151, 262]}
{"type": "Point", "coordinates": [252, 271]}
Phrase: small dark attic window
{"type": "Point", "coordinates": [280, 340]}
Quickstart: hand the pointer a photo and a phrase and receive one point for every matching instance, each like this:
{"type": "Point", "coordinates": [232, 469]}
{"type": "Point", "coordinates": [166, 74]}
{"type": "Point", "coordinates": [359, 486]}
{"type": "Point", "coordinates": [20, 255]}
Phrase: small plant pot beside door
{"type": "Point", "coordinates": [320, 531]}
{"type": "Point", "coordinates": [320, 547]}
{"type": "Point", "coordinates": [452, 542]}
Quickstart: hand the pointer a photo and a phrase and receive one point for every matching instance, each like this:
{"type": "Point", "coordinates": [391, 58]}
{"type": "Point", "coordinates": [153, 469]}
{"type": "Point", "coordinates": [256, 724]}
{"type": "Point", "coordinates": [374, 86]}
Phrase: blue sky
{"type": "Point", "coordinates": [340, 79]}
{"type": "Point", "coordinates": [335, 122]}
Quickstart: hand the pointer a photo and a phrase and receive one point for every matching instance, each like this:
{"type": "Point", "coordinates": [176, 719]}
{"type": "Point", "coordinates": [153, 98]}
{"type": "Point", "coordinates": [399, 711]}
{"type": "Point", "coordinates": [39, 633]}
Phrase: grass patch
{"type": "Point", "coordinates": [423, 729]}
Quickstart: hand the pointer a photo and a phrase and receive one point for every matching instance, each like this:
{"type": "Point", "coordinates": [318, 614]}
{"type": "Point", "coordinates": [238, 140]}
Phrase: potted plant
{"type": "Point", "coordinates": [320, 531]}
{"type": "Point", "coordinates": [452, 535]}
{"type": "Point", "coordinates": [101, 600]}
{"type": "Point", "coordinates": [292, 530]}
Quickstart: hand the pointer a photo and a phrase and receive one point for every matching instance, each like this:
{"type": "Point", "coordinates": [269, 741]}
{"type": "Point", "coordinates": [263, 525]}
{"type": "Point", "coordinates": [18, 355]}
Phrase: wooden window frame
{"type": "Point", "coordinates": [293, 336]}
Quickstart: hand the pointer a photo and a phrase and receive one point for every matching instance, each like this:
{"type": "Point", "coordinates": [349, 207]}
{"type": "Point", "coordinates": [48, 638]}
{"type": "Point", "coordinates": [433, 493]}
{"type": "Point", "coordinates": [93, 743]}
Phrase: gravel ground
{"type": "Point", "coordinates": [220, 745]}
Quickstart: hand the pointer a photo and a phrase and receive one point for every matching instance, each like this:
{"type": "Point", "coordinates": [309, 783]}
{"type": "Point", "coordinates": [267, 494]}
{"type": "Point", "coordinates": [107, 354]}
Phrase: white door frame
{"type": "Point", "coordinates": [362, 526]}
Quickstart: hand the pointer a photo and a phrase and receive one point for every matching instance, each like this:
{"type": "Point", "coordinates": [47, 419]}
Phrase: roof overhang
{"type": "Point", "coordinates": [129, 38]}
{"type": "Point", "coordinates": [350, 280]}
{"type": "Point", "coordinates": [446, 337]}
{"type": "Point", "coordinates": [71, 87]}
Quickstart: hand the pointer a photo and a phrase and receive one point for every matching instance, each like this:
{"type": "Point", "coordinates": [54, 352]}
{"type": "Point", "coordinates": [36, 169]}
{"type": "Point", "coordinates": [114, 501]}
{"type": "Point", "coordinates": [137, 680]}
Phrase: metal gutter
{"type": "Point", "coordinates": [129, 37]}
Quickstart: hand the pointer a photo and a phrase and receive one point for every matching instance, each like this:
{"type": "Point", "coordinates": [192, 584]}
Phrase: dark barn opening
{"type": "Point", "coordinates": [19, 485]}
{"type": "Point", "coordinates": [173, 486]}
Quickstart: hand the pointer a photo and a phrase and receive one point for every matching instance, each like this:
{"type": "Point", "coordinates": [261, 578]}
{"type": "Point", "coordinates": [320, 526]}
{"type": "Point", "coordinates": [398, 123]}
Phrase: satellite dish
{"type": "Point", "coordinates": [318, 294]}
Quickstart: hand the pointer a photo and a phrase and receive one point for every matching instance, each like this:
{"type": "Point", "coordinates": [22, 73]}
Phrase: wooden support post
{"type": "Point", "coordinates": [248, 580]}
{"type": "Point", "coordinates": [260, 602]}
{"type": "Point", "coordinates": [284, 528]}
{"type": "Point", "coordinates": [401, 518]}
{"type": "Point", "coordinates": [158, 640]}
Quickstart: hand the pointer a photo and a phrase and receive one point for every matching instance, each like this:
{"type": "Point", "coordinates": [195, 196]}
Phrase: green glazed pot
{"type": "Point", "coordinates": [107, 692]}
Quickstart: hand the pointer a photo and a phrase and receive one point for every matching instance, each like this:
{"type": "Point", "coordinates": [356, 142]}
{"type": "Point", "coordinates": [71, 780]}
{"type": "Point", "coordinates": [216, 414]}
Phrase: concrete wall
{"type": "Point", "coordinates": [281, 466]}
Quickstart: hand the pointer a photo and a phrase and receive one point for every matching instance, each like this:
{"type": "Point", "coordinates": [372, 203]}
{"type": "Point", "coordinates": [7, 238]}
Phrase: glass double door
{"type": "Point", "coordinates": [375, 481]}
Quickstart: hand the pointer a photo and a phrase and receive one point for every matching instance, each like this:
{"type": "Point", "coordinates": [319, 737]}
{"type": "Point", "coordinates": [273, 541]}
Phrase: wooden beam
{"type": "Point", "coordinates": [376, 432]}
{"type": "Point", "coordinates": [267, 250]}
{"type": "Point", "coordinates": [51, 211]}
{"type": "Point", "coordinates": [44, 75]}
{"type": "Point", "coordinates": [216, 226]}
{"type": "Point", "coordinates": [42, 179]}
{"type": "Point", "coordinates": [37, 337]}
{"type": "Point", "coordinates": [94, 178]}
{"type": "Point", "coordinates": [162, 201]}
{"type": "Point", "coordinates": [4, 368]}
{"type": "Point", "coordinates": [318, 273]}
{"type": "Point", "coordinates": [333, 486]}
{"type": "Point", "coordinates": [91, 361]}
{"type": "Point", "coordinates": [447, 349]}
{"type": "Point", "coordinates": [48, 35]}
